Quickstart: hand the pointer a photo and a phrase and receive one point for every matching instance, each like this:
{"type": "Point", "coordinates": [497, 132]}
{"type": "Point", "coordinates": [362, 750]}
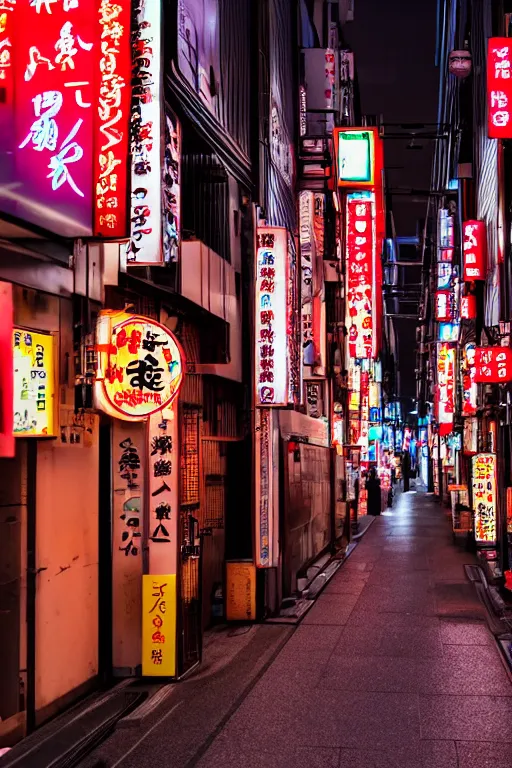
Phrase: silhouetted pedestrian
{"type": "Point", "coordinates": [406, 470]}
{"type": "Point", "coordinates": [374, 495]}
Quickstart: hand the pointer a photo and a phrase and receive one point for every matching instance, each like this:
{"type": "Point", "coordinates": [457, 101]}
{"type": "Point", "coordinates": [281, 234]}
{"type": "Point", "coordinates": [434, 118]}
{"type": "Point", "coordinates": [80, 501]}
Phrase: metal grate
{"type": "Point", "coordinates": [215, 501]}
{"type": "Point", "coordinates": [190, 456]}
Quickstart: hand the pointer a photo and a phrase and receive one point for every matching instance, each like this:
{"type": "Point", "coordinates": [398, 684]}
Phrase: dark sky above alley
{"type": "Point", "coordinates": [394, 46]}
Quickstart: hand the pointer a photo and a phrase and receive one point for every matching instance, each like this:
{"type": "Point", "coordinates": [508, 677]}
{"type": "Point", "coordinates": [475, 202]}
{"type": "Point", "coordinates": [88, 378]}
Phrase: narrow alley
{"type": "Point", "coordinates": [393, 667]}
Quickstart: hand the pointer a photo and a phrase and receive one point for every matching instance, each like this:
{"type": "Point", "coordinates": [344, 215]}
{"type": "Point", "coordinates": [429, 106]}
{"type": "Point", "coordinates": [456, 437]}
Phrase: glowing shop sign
{"type": "Point", "coordinates": [484, 497]}
{"type": "Point", "coordinates": [445, 391]}
{"type": "Point", "coordinates": [159, 625]}
{"type": "Point", "coordinates": [444, 275]}
{"type": "Point", "coordinates": [493, 365]}
{"type": "Point", "coordinates": [361, 279]}
{"type": "Point", "coordinates": [56, 50]}
{"type": "Point", "coordinates": [499, 88]}
{"type": "Point", "coordinates": [271, 307]}
{"type": "Point", "coordinates": [112, 121]}
{"type": "Point", "coordinates": [468, 307]}
{"type": "Point", "coordinates": [307, 263]}
{"type": "Point", "coordinates": [474, 250]}
{"type": "Point", "coordinates": [140, 366]}
{"type": "Point", "coordinates": [448, 331]}
{"type": "Point", "coordinates": [172, 188]}
{"type": "Point", "coordinates": [34, 384]}
{"type": "Point", "coordinates": [356, 157]}
{"type": "Point", "coordinates": [444, 306]}
{"type": "Point", "coordinates": [145, 246]}
{"type": "Point", "coordinates": [469, 386]}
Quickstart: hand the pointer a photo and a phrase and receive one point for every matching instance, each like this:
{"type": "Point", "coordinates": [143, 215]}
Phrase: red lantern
{"type": "Point", "coordinates": [493, 365]}
{"type": "Point", "coordinates": [468, 307]}
{"type": "Point", "coordinates": [475, 242]}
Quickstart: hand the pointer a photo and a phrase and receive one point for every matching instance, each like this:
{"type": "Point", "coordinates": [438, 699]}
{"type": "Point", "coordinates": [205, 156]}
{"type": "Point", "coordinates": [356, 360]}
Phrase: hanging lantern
{"type": "Point", "coordinates": [460, 64]}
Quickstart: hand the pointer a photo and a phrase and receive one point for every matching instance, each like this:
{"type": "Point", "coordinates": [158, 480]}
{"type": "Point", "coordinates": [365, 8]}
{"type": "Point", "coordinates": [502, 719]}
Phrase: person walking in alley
{"type": "Point", "coordinates": [374, 495]}
{"type": "Point", "coordinates": [406, 470]}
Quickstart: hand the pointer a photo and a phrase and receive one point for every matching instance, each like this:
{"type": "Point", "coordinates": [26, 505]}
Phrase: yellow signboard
{"type": "Point", "coordinates": [34, 384]}
{"type": "Point", "coordinates": [159, 626]}
{"type": "Point", "coordinates": [240, 592]}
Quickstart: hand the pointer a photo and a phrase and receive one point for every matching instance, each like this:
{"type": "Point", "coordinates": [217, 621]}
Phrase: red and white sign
{"type": "Point", "coordinates": [445, 391]}
{"type": "Point", "coordinates": [468, 307]}
{"type": "Point", "coordinates": [499, 88]}
{"type": "Point", "coordinates": [475, 245]}
{"type": "Point", "coordinates": [6, 372]}
{"type": "Point", "coordinates": [113, 109]}
{"type": "Point", "coordinates": [271, 321]}
{"type": "Point", "coordinates": [444, 306]}
{"type": "Point", "coordinates": [361, 276]}
{"type": "Point", "coordinates": [71, 73]}
{"type": "Point", "coordinates": [493, 365]}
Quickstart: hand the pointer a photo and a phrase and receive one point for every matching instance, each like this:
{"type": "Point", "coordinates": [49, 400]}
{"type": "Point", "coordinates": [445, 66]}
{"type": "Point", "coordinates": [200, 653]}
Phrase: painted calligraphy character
{"type": "Point", "coordinates": [164, 487]}
{"type": "Point", "coordinates": [78, 94]}
{"type": "Point", "coordinates": [267, 257]}
{"type": "Point", "coordinates": [161, 534]}
{"type": "Point", "coordinates": [266, 376]}
{"type": "Point", "coordinates": [65, 46]}
{"type": "Point", "coordinates": [70, 152]}
{"type": "Point", "coordinates": [150, 342]}
{"type": "Point", "coordinates": [156, 656]}
{"type": "Point", "coordinates": [39, 4]}
{"type": "Point", "coordinates": [145, 374]}
{"type": "Point", "coordinates": [35, 59]}
{"type": "Point", "coordinates": [267, 335]}
{"type": "Point", "coordinates": [133, 341]}
{"type": "Point", "coordinates": [44, 131]}
{"type": "Point", "coordinates": [128, 537]}
{"type": "Point", "coordinates": [267, 285]}
{"type": "Point", "coordinates": [162, 468]}
{"type": "Point", "coordinates": [266, 317]}
{"type": "Point", "coordinates": [161, 444]}
{"type": "Point", "coordinates": [157, 637]}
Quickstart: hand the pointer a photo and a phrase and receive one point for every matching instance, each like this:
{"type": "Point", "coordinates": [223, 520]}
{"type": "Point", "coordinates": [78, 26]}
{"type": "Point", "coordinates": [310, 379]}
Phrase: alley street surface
{"type": "Point", "coordinates": [393, 667]}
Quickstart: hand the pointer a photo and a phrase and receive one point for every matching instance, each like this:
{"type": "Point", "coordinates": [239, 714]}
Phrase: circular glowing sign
{"type": "Point", "coordinates": [140, 366]}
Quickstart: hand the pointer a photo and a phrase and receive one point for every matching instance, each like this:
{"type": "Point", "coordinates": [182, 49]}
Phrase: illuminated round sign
{"type": "Point", "coordinates": [140, 366]}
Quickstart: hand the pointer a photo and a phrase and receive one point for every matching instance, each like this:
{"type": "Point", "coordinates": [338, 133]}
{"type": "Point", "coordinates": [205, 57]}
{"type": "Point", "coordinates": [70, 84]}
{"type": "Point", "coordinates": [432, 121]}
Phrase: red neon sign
{"type": "Point", "coordinates": [445, 390]}
{"type": "Point", "coordinates": [360, 270]}
{"type": "Point", "coordinates": [112, 121]}
{"type": "Point", "coordinates": [499, 88]}
{"type": "Point", "coordinates": [474, 250]}
{"type": "Point", "coordinates": [493, 365]}
{"type": "Point", "coordinates": [69, 125]}
{"type": "Point", "coordinates": [468, 307]}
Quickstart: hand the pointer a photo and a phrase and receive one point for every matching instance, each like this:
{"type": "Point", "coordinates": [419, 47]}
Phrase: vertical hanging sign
{"type": "Point", "coordinates": [307, 262]}
{"type": "Point", "coordinates": [271, 321]}
{"type": "Point", "coordinates": [499, 88]}
{"type": "Point", "coordinates": [112, 120]}
{"type": "Point", "coordinates": [475, 245]}
{"type": "Point", "coordinates": [445, 391]}
{"type": "Point", "coordinates": [484, 497]}
{"type": "Point", "coordinates": [360, 269]}
{"type": "Point", "coordinates": [145, 246]}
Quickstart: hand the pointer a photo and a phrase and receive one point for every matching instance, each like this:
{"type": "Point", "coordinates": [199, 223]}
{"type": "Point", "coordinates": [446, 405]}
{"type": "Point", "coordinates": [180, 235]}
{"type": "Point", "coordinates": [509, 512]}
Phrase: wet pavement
{"type": "Point", "coordinates": [393, 667]}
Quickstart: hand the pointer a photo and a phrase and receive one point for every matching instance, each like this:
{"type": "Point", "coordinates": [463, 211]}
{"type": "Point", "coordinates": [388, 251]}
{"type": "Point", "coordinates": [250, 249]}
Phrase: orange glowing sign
{"type": "Point", "coordinates": [140, 366]}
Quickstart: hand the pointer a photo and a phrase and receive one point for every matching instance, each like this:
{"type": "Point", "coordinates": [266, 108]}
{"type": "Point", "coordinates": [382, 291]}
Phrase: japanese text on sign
{"type": "Point", "coordinates": [271, 307]}
{"type": "Point", "coordinates": [113, 118]}
{"type": "Point", "coordinates": [130, 479]}
{"type": "Point", "coordinates": [445, 390]}
{"type": "Point", "coordinates": [484, 497]}
{"type": "Point", "coordinates": [474, 250]}
{"type": "Point", "coordinates": [493, 365]}
{"type": "Point", "coordinates": [145, 246]}
{"type": "Point", "coordinates": [360, 270]}
{"type": "Point", "coordinates": [499, 88]}
{"type": "Point", "coordinates": [34, 384]}
{"type": "Point", "coordinates": [140, 366]}
{"type": "Point", "coordinates": [159, 625]}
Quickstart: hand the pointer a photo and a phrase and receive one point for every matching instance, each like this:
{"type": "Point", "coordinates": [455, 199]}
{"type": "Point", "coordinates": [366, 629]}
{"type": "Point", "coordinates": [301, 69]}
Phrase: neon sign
{"type": "Point", "coordinates": [360, 228]}
{"type": "Point", "coordinates": [493, 365]}
{"type": "Point", "coordinates": [140, 366]}
{"type": "Point", "coordinates": [474, 250]}
{"type": "Point", "coordinates": [67, 103]}
{"type": "Point", "coordinates": [499, 88]}
{"type": "Point", "coordinates": [484, 497]}
{"type": "Point", "coordinates": [272, 317]}
{"type": "Point", "coordinates": [112, 120]}
{"type": "Point", "coordinates": [34, 384]}
{"type": "Point", "coordinates": [445, 391]}
{"type": "Point", "coordinates": [358, 153]}
{"type": "Point", "coordinates": [469, 386]}
{"type": "Point", "coordinates": [145, 246]}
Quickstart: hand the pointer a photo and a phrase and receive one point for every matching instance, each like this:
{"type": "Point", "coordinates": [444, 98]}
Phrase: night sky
{"type": "Point", "coordinates": [394, 46]}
